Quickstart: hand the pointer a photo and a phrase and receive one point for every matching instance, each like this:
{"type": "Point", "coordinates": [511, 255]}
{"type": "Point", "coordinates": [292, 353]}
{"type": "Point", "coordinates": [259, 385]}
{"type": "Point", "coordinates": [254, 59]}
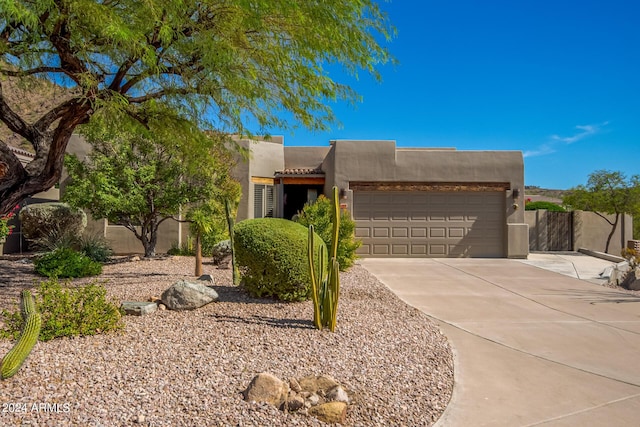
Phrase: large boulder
{"type": "Point", "coordinates": [267, 388]}
{"type": "Point", "coordinates": [632, 280]}
{"type": "Point", "coordinates": [184, 295]}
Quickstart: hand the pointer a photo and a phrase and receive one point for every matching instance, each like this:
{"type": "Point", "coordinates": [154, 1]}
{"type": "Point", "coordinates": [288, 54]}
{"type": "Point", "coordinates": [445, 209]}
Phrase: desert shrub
{"type": "Point", "coordinates": [96, 247]}
{"type": "Point", "coordinates": [68, 311]}
{"type": "Point", "coordinates": [40, 220]}
{"type": "Point", "coordinates": [187, 248]}
{"type": "Point", "coordinates": [553, 207]}
{"type": "Point", "coordinates": [271, 254]}
{"type": "Point", "coordinates": [55, 238]}
{"type": "Point", "coordinates": [632, 256]}
{"type": "Point", "coordinates": [66, 262]}
{"type": "Point", "coordinates": [319, 214]}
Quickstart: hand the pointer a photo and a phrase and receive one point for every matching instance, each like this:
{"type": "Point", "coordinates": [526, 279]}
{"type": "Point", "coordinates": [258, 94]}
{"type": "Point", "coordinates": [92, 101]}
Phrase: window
{"type": "Point", "coordinates": [262, 201]}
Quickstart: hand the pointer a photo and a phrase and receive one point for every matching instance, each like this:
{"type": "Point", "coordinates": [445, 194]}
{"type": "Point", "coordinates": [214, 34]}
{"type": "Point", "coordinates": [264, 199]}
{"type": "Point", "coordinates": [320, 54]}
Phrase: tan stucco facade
{"type": "Point", "coordinates": [348, 164]}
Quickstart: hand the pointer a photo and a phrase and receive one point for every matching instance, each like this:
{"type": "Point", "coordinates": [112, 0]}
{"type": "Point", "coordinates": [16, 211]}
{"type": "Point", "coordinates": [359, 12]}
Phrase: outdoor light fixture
{"type": "Point", "coordinates": [515, 193]}
{"type": "Point", "coordinates": [343, 193]}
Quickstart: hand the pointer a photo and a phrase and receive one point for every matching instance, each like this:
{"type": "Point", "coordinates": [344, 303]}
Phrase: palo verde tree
{"type": "Point", "coordinates": [223, 62]}
{"type": "Point", "coordinates": [139, 176]}
{"type": "Point", "coordinates": [607, 192]}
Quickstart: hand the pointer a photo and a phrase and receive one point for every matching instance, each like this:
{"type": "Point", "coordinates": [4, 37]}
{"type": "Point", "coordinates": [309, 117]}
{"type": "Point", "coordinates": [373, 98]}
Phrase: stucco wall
{"type": "Point", "coordinates": [590, 231]}
{"type": "Point", "coordinates": [266, 157]}
{"type": "Point", "coordinates": [380, 161]}
{"type": "Point", "coordinates": [304, 157]}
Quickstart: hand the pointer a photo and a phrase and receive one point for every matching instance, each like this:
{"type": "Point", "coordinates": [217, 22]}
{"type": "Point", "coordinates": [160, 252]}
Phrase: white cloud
{"type": "Point", "coordinates": [585, 131]}
{"type": "Point", "coordinates": [540, 151]}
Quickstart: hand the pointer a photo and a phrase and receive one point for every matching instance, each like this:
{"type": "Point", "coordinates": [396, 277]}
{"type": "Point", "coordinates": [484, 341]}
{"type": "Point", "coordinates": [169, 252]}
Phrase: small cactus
{"type": "Point", "coordinates": [14, 359]}
{"type": "Point", "coordinates": [325, 286]}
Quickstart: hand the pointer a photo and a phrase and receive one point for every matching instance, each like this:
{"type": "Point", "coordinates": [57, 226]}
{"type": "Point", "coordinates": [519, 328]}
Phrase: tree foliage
{"type": "Point", "coordinates": [139, 177]}
{"type": "Point", "coordinates": [221, 62]}
{"type": "Point", "coordinates": [541, 204]}
{"type": "Point", "coordinates": [319, 214]}
{"type": "Point", "coordinates": [607, 192]}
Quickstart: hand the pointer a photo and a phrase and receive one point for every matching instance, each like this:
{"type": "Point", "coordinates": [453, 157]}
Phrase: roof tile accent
{"type": "Point", "coordinates": [301, 171]}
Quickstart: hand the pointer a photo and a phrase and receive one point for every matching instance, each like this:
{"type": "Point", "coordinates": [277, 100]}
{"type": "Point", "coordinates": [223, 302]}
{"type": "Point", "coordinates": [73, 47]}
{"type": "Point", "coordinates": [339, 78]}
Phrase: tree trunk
{"type": "Point", "coordinates": [43, 172]}
{"type": "Point", "coordinates": [198, 254]}
{"type": "Point", "coordinates": [613, 230]}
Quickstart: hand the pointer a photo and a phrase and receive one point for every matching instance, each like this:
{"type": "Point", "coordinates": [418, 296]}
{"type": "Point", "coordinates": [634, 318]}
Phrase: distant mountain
{"type": "Point", "coordinates": [30, 97]}
{"type": "Point", "coordinates": [537, 193]}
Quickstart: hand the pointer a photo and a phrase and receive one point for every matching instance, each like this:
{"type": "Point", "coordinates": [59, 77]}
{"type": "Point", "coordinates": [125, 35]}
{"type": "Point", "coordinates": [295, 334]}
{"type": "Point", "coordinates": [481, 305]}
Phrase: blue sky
{"type": "Point", "coordinates": [558, 80]}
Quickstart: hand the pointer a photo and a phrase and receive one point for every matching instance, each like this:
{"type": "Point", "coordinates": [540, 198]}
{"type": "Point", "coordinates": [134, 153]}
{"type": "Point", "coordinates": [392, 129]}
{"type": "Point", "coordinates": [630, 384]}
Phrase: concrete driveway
{"type": "Point", "coordinates": [532, 347]}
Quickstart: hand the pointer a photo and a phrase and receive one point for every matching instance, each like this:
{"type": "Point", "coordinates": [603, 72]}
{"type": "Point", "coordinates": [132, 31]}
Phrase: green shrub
{"type": "Point", "coordinates": [41, 219]}
{"type": "Point", "coordinates": [186, 249]}
{"type": "Point", "coordinates": [553, 207]}
{"type": "Point", "coordinates": [68, 312]}
{"type": "Point", "coordinates": [271, 254]}
{"type": "Point", "coordinates": [54, 239]}
{"type": "Point", "coordinates": [66, 262]}
{"type": "Point", "coordinates": [96, 247]}
{"type": "Point", "coordinates": [319, 214]}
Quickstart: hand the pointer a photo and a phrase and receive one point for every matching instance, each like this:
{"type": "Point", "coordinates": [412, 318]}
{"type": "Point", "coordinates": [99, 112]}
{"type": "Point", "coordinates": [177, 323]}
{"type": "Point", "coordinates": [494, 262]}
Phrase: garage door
{"type": "Point", "coordinates": [430, 224]}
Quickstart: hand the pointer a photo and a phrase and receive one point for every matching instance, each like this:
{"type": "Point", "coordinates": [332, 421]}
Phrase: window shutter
{"type": "Point", "coordinates": [268, 206]}
{"type": "Point", "coordinates": [258, 197]}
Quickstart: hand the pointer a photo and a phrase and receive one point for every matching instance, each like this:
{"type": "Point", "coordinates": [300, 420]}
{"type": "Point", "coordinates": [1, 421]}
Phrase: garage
{"type": "Point", "coordinates": [443, 223]}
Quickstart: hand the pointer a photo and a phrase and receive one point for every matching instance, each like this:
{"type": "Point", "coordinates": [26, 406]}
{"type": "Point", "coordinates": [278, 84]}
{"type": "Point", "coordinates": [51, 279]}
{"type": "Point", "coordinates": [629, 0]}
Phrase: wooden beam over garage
{"type": "Point", "coordinates": [428, 186]}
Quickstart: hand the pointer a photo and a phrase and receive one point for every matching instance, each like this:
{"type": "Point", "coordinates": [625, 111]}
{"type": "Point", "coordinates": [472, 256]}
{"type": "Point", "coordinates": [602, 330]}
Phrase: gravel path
{"type": "Point", "coordinates": [188, 368]}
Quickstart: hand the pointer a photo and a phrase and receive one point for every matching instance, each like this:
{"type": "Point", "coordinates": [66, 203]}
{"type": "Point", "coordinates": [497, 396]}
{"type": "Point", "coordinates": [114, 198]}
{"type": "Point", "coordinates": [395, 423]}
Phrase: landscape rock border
{"type": "Point", "coordinates": [319, 396]}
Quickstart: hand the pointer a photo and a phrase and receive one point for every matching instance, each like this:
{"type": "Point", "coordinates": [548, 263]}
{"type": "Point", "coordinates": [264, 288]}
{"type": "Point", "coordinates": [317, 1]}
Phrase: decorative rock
{"type": "Point", "coordinates": [139, 308]}
{"type": "Point", "coordinates": [221, 254]}
{"type": "Point", "coordinates": [294, 402]}
{"type": "Point", "coordinates": [207, 279]}
{"type": "Point", "coordinates": [337, 394]}
{"type": "Point", "coordinates": [314, 399]}
{"type": "Point", "coordinates": [331, 412]}
{"type": "Point", "coordinates": [295, 385]}
{"type": "Point", "coordinates": [632, 280]}
{"type": "Point", "coordinates": [162, 307]}
{"type": "Point", "coordinates": [184, 295]}
{"type": "Point", "coordinates": [314, 383]}
{"type": "Point", "coordinates": [265, 387]}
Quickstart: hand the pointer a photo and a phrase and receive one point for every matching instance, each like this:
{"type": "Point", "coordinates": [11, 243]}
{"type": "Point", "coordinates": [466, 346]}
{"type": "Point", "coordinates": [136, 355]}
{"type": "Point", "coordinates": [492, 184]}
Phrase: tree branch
{"type": "Point", "coordinates": [158, 94]}
{"type": "Point", "coordinates": [55, 113]}
{"type": "Point", "coordinates": [37, 70]}
{"type": "Point", "coordinates": [603, 217]}
{"type": "Point", "coordinates": [122, 72]}
{"type": "Point", "coordinates": [13, 121]}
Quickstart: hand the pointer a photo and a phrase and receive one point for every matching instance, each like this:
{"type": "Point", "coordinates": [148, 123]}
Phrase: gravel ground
{"type": "Point", "coordinates": [188, 368]}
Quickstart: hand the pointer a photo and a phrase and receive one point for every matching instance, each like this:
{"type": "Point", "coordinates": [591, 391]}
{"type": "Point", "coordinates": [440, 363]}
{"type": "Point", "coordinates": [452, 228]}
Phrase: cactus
{"type": "Point", "coordinates": [325, 285]}
{"type": "Point", "coordinates": [12, 361]}
{"type": "Point", "coordinates": [230, 224]}
{"type": "Point", "coordinates": [28, 305]}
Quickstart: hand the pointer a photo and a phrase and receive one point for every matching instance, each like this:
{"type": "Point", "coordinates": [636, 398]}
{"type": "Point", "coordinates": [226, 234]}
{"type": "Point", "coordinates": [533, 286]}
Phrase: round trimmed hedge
{"type": "Point", "coordinates": [271, 254]}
